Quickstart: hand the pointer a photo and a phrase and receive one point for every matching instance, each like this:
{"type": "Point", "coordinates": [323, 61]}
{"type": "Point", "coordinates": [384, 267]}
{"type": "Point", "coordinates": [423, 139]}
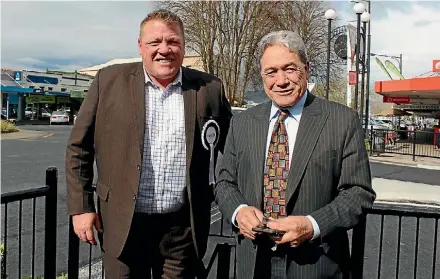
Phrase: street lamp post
{"type": "Point", "coordinates": [365, 18]}
{"type": "Point", "coordinates": [358, 8]}
{"type": "Point", "coordinates": [367, 99]}
{"type": "Point", "coordinates": [330, 15]}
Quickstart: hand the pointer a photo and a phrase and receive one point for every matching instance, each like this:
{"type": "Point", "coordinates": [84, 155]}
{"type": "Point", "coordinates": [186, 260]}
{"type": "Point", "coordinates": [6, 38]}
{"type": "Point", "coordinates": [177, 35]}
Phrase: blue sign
{"type": "Point", "coordinates": [17, 76]}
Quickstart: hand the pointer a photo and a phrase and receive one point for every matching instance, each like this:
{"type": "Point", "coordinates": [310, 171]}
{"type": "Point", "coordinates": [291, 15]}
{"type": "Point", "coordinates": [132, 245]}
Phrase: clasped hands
{"type": "Point", "coordinates": [297, 229]}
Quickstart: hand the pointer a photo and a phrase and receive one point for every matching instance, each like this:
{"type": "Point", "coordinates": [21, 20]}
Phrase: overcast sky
{"type": "Point", "coordinates": [74, 35]}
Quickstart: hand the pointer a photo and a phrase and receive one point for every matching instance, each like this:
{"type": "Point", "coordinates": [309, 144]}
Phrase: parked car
{"type": "Point", "coordinates": [59, 117]}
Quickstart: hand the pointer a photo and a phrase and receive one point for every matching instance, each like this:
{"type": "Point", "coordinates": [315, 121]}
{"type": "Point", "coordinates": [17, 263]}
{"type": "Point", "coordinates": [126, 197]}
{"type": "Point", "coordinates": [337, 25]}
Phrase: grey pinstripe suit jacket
{"type": "Point", "coordinates": [329, 179]}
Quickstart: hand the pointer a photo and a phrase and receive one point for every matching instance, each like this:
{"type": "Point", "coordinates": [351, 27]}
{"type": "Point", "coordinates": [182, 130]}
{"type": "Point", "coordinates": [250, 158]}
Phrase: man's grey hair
{"type": "Point", "coordinates": [288, 38]}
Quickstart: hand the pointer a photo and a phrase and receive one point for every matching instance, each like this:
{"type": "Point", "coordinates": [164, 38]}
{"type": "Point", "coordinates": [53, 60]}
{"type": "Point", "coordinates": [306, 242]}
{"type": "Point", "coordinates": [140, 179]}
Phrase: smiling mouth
{"type": "Point", "coordinates": [163, 60]}
{"type": "Point", "coordinates": [284, 92]}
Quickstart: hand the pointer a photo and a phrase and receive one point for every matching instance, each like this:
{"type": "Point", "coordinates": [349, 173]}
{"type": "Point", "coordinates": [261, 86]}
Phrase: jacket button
{"type": "Point", "coordinates": [134, 197]}
{"type": "Point", "coordinates": [138, 167]}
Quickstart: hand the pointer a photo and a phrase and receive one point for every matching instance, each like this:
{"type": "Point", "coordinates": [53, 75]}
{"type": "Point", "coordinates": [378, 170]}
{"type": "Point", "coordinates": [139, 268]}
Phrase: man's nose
{"type": "Point", "coordinates": [164, 48]}
{"type": "Point", "coordinates": [281, 79]}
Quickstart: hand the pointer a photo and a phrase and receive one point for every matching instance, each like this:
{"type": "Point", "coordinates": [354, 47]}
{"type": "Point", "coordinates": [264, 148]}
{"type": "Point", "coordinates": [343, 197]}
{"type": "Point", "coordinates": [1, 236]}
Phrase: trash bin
{"type": "Point", "coordinates": [379, 141]}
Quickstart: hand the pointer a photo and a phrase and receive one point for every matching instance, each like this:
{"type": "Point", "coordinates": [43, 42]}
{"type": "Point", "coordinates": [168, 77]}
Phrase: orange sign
{"type": "Point", "coordinates": [436, 65]}
{"type": "Point", "coordinates": [397, 100]}
{"type": "Point", "coordinates": [352, 79]}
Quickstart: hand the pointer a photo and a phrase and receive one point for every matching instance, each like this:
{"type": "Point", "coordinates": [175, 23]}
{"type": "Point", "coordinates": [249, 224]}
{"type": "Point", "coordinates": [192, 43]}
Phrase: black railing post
{"type": "Point", "coordinates": [358, 249]}
{"type": "Point", "coordinates": [371, 140]}
{"type": "Point", "coordinates": [414, 146]}
{"type": "Point", "coordinates": [73, 256]}
{"type": "Point", "coordinates": [50, 240]}
{"type": "Point", "coordinates": [224, 260]}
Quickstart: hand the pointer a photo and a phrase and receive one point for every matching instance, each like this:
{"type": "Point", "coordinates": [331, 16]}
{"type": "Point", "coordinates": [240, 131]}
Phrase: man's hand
{"type": "Point", "coordinates": [249, 217]}
{"type": "Point", "coordinates": [297, 229]}
{"type": "Point", "coordinates": [83, 226]}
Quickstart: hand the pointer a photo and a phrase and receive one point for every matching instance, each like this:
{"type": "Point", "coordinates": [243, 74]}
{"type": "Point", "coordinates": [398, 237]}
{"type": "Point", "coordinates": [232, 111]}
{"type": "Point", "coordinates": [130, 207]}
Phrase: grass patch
{"type": "Point", "coordinates": [8, 127]}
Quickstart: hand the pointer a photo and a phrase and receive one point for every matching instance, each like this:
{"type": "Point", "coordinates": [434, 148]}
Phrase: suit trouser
{"type": "Point", "coordinates": [158, 246]}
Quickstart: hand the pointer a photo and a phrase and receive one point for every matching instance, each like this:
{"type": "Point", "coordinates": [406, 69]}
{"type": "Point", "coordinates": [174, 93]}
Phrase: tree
{"type": "Point", "coordinates": [307, 19]}
{"type": "Point", "coordinates": [225, 34]}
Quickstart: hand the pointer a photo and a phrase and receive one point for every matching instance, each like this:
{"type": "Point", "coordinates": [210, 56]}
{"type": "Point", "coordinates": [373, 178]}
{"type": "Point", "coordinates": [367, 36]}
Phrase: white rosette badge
{"type": "Point", "coordinates": [210, 138]}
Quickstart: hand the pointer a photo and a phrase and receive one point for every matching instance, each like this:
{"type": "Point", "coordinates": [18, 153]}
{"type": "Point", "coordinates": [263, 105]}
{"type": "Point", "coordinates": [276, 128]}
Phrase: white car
{"type": "Point", "coordinates": [59, 117]}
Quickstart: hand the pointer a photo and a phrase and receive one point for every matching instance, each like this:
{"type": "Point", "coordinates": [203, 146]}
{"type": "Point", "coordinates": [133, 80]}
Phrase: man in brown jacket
{"type": "Point", "coordinates": [143, 124]}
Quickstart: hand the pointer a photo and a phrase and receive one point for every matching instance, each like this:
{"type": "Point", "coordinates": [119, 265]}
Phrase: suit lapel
{"type": "Point", "coordinates": [310, 127]}
{"type": "Point", "coordinates": [261, 127]}
{"type": "Point", "coordinates": [190, 107]}
{"type": "Point", "coordinates": [137, 93]}
{"type": "Point", "coordinates": [136, 85]}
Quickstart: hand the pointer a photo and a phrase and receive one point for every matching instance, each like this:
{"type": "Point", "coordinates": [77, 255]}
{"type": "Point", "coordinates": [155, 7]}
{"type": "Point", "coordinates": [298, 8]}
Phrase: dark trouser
{"type": "Point", "coordinates": [158, 246]}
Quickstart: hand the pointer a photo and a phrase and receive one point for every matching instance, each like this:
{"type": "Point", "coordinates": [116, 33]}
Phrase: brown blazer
{"type": "Point", "coordinates": [110, 128]}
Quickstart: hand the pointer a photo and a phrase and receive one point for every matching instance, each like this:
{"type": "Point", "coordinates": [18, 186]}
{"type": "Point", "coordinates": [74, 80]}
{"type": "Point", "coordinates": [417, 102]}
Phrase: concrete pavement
{"type": "Point", "coordinates": [25, 134]}
{"type": "Point", "coordinates": [406, 192]}
{"type": "Point", "coordinates": [407, 160]}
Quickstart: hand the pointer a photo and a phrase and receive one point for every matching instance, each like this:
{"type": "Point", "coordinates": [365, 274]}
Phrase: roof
{"type": "Point", "coordinates": [193, 61]}
{"type": "Point", "coordinates": [419, 87]}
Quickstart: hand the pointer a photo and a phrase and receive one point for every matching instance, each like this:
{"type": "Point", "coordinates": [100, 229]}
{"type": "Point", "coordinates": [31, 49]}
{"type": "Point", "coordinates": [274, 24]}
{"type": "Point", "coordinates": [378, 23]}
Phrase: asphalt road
{"type": "Point", "coordinates": [23, 167]}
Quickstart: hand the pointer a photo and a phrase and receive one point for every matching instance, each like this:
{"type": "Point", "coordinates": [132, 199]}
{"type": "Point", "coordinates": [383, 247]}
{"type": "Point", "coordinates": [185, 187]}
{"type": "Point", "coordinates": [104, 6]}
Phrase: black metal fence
{"type": "Point", "coordinates": [18, 198]}
{"type": "Point", "coordinates": [394, 241]}
{"type": "Point", "coordinates": [400, 239]}
{"type": "Point", "coordinates": [415, 143]}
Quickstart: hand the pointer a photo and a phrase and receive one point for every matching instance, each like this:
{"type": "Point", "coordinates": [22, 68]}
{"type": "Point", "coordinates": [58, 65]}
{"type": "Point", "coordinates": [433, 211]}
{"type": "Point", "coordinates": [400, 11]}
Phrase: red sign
{"type": "Point", "coordinates": [397, 100]}
{"type": "Point", "coordinates": [436, 65]}
{"type": "Point", "coordinates": [352, 78]}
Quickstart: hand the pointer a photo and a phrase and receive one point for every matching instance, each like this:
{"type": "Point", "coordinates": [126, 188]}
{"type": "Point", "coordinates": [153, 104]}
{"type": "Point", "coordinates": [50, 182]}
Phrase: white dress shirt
{"type": "Point", "coordinates": [163, 174]}
{"type": "Point", "coordinates": [292, 124]}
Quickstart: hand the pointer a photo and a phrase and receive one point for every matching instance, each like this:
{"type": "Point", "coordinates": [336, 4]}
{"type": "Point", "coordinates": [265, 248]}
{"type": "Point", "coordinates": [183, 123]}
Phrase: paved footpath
{"type": "Point", "coordinates": [25, 134]}
{"type": "Point", "coordinates": [406, 160]}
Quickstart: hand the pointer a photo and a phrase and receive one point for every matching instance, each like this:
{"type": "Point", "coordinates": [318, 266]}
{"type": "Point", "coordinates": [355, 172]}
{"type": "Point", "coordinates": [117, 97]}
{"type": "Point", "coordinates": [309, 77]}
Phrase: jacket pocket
{"type": "Point", "coordinates": [102, 190]}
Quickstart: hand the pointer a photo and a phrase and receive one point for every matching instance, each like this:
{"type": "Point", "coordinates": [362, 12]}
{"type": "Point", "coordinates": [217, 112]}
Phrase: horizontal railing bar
{"type": "Point", "coordinates": [384, 208]}
{"type": "Point", "coordinates": [24, 194]}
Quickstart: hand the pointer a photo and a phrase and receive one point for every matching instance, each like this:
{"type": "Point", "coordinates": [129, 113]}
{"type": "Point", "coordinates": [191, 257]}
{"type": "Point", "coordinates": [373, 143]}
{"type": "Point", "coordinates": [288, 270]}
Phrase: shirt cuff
{"type": "Point", "coordinates": [235, 214]}
{"type": "Point", "coordinates": [316, 231]}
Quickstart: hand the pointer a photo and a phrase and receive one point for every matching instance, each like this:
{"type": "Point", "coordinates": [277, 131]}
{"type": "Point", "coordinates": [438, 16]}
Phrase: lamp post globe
{"type": "Point", "coordinates": [359, 8]}
{"type": "Point", "coordinates": [365, 17]}
{"type": "Point", "coordinates": [330, 14]}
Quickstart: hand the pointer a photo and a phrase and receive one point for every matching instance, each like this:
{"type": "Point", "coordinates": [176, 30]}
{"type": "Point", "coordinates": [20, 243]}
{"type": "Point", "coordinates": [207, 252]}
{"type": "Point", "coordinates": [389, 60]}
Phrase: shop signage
{"type": "Point", "coordinates": [62, 99]}
{"type": "Point", "coordinates": [418, 107]}
{"type": "Point", "coordinates": [352, 78]}
{"type": "Point", "coordinates": [397, 100]}
{"type": "Point", "coordinates": [40, 99]}
{"type": "Point", "coordinates": [436, 65]}
{"type": "Point", "coordinates": [17, 76]}
{"type": "Point", "coordinates": [77, 94]}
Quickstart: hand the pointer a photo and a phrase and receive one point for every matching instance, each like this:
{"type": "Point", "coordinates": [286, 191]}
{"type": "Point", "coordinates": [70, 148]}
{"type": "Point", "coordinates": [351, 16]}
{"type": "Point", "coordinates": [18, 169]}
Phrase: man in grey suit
{"type": "Point", "coordinates": [297, 165]}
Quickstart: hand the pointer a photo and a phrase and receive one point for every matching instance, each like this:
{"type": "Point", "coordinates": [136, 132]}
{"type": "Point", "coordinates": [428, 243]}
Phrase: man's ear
{"type": "Point", "coordinates": [307, 68]}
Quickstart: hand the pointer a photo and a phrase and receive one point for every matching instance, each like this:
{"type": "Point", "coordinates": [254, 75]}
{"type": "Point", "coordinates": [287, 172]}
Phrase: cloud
{"type": "Point", "coordinates": [69, 35]}
{"type": "Point", "coordinates": [409, 33]}
{"type": "Point", "coordinates": [409, 28]}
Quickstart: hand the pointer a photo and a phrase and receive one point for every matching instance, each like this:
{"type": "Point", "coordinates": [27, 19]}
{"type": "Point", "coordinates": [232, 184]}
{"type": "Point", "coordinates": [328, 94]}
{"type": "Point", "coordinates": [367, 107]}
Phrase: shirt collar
{"type": "Point", "coordinates": [176, 81]}
{"type": "Point", "coordinates": [295, 111]}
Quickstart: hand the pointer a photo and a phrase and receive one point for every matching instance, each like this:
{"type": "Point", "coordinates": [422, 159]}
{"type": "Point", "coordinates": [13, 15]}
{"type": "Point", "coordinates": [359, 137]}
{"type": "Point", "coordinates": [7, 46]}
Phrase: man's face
{"type": "Point", "coordinates": [284, 75]}
{"type": "Point", "coordinates": [161, 46]}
